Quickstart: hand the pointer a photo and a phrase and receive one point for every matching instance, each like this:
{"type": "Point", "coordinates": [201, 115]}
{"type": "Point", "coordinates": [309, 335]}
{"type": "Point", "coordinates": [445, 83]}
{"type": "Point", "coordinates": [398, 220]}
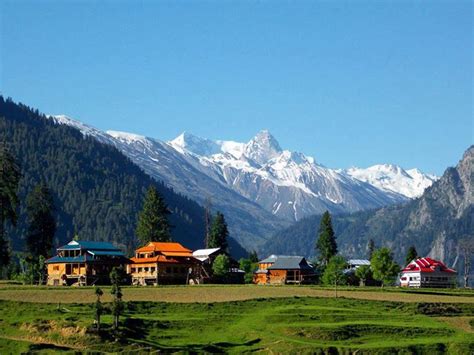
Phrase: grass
{"type": "Point", "coordinates": [214, 293]}
{"type": "Point", "coordinates": [238, 319]}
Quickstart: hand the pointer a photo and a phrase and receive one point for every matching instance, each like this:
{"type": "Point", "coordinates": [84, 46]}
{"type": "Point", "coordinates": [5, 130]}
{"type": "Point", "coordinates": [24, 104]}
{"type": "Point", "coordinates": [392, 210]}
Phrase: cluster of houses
{"type": "Point", "coordinates": [90, 262]}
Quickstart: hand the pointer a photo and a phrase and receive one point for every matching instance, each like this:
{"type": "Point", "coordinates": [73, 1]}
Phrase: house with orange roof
{"type": "Point", "coordinates": [163, 263]}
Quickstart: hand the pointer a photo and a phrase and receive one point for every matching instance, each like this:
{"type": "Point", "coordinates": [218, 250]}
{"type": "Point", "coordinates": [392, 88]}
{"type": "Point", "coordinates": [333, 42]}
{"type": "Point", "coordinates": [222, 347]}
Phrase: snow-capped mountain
{"type": "Point", "coordinates": [410, 183]}
{"type": "Point", "coordinates": [288, 184]}
{"type": "Point", "coordinates": [259, 186]}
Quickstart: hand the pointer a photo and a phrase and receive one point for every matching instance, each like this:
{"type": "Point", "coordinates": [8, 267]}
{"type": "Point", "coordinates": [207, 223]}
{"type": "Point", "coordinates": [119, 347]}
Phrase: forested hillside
{"type": "Point", "coordinates": [98, 192]}
{"type": "Point", "coordinates": [435, 223]}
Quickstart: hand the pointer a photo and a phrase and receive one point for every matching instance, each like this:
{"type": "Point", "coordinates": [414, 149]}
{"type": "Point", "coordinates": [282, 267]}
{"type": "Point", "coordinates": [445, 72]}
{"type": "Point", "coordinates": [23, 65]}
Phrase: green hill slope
{"type": "Point", "coordinates": [98, 192]}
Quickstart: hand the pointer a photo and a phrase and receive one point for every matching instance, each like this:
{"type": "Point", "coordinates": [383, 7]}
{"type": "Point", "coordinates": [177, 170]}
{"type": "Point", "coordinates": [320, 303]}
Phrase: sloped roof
{"type": "Point", "coordinates": [160, 259]}
{"type": "Point", "coordinates": [358, 262]}
{"type": "Point", "coordinates": [166, 248]}
{"type": "Point", "coordinates": [290, 263]}
{"type": "Point", "coordinates": [88, 245]}
{"type": "Point", "coordinates": [76, 259]}
{"type": "Point", "coordinates": [203, 254]}
{"type": "Point", "coordinates": [427, 265]}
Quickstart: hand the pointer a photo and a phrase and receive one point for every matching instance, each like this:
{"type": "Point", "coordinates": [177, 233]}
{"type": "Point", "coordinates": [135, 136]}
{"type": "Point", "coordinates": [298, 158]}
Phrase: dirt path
{"type": "Point", "coordinates": [208, 294]}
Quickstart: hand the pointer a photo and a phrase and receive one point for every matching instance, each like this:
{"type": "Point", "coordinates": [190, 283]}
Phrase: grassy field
{"type": "Point", "coordinates": [263, 319]}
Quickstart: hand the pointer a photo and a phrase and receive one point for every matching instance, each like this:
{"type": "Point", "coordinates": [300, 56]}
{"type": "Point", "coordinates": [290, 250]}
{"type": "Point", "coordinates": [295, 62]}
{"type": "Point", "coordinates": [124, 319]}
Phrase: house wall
{"type": "Point", "coordinates": [277, 276]}
{"type": "Point", "coordinates": [260, 279]}
{"type": "Point", "coordinates": [56, 272]}
{"type": "Point", "coordinates": [167, 272]}
{"type": "Point", "coordinates": [427, 279]}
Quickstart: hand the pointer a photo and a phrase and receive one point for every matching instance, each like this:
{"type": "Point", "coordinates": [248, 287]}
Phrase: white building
{"type": "Point", "coordinates": [427, 272]}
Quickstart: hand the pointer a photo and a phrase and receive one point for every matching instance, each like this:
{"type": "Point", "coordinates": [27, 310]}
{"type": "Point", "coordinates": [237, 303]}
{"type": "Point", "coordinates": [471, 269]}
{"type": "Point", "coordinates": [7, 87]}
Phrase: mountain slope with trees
{"type": "Point", "coordinates": [97, 191]}
{"type": "Point", "coordinates": [436, 223]}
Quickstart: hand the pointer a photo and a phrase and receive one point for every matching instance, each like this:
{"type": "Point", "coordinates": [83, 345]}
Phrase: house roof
{"type": "Point", "coordinates": [87, 245]}
{"type": "Point", "coordinates": [165, 248]}
{"type": "Point", "coordinates": [358, 262]}
{"type": "Point", "coordinates": [76, 259]}
{"type": "Point", "coordinates": [270, 259]}
{"type": "Point", "coordinates": [203, 254]}
{"type": "Point", "coordinates": [290, 263]}
{"type": "Point", "coordinates": [156, 259]}
{"type": "Point", "coordinates": [427, 265]}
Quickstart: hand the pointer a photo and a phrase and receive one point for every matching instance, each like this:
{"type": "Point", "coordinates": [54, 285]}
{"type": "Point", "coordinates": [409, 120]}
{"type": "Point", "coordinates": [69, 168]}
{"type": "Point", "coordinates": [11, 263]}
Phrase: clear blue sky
{"type": "Point", "coordinates": [350, 83]}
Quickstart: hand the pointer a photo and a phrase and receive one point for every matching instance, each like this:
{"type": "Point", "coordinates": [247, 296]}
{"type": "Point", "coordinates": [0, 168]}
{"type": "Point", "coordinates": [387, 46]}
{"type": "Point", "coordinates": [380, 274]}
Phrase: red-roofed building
{"type": "Point", "coordinates": [427, 272]}
{"type": "Point", "coordinates": [162, 263]}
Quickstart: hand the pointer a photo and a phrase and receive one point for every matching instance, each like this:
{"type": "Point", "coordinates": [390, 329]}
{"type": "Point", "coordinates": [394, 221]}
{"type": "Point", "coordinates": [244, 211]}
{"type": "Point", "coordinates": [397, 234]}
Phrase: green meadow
{"type": "Point", "coordinates": [296, 324]}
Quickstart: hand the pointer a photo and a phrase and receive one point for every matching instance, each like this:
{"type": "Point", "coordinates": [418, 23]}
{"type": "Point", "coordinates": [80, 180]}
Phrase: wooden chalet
{"type": "Point", "coordinates": [282, 269]}
{"type": "Point", "coordinates": [427, 272]}
{"type": "Point", "coordinates": [84, 263]}
{"type": "Point", "coordinates": [163, 263]}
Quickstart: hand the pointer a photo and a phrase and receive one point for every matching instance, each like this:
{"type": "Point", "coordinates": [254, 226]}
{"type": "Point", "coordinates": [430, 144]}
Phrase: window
{"type": "Point", "coordinates": [134, 269]}
{"type": "Point", "coordinates": [153, 269]}
{"type": "Point", "coordinates": [56, 267]}
{"type": "Point", "coordinates": [139, 269]}
{"type": "Point", "coordinates": [146, 269]}
{"type": "Point", "coordinates": [403, 278]}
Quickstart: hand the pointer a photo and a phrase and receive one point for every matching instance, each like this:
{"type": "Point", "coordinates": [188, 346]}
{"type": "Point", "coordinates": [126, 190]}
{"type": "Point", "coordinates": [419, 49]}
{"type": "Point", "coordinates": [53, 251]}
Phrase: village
{"type": "Point", "coordinates": [86, 263]}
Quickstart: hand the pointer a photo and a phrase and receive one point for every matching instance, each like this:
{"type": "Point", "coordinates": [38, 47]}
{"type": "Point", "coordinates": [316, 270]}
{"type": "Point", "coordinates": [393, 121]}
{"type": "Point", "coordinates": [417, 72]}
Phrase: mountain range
{"type": "Point", "coordinates": [435, 223]}
{"type": "Point", "coordinates": [97, 191]}
{"type": "Point", "coordinates": [260, 187]}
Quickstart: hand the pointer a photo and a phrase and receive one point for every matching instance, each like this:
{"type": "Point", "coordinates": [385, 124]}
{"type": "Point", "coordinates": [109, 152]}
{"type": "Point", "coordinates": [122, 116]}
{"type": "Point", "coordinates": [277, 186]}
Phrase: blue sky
{"type": "Point", "coordinates": [350, 83]}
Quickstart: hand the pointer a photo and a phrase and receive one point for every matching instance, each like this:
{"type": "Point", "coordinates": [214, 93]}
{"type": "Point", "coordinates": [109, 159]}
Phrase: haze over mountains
{"type": "Point", "coordinates": [259, 186]}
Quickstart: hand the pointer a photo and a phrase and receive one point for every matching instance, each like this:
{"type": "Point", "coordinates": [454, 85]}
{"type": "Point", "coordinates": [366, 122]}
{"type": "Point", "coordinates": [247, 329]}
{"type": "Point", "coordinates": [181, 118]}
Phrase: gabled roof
{"type": "Point", "coordinates": [203, 254]}
{"type": "Point", "coordinates": [160, 259]}
{"type": "Point", "coordinates": [358, 262]}
{"type": "Point", "coordinates": [88, 245]}
{"type": "Point", "coordinates": [165, 248]}
{"type": "Point", "coordinates": [76, 259]}
{"type": "Point", "coordinates": [290, 263]}
{"type": "Point", "coordinates": [427, 265]}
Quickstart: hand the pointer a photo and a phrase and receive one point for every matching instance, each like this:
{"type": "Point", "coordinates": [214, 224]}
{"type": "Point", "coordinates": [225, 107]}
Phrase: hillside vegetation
{"type": "Point", "coordinates": [98, 192]}
{"type": "Point", "coordinates": [435, 223]}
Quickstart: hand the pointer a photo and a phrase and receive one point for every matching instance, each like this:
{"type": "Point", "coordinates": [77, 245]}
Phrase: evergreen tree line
{"type": "Point", "coordinates": [331, 265]}
{"type": "Point", "coordinates": [97, 192]}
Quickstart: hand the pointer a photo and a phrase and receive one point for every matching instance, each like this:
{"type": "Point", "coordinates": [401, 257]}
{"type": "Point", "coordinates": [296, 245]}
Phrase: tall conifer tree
{"type": "Point", "coordinates": [41, 222]}
{"type": "Point", "coordinates": [326, 243]}
{"type": "Point", "coordinates": [9, 179]}
{"type": "Point", "coordinates": [153, 225]}
{"type": "Point", "coordinates": [411, 255]}
{"type": "Point", "coordinates": [219, 233]}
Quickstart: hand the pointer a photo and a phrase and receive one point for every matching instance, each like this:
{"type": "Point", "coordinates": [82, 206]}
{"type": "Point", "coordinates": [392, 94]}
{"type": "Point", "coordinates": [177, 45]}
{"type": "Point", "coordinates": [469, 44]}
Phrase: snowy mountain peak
{"type": "Point", "coordinates": [262, 148]}
{"type": "Point", "coordinates": [127, 137]}
{"type": "Point", "coordinates": [388, 177]}
{"type": "Point", "coordinates": [195, 144]}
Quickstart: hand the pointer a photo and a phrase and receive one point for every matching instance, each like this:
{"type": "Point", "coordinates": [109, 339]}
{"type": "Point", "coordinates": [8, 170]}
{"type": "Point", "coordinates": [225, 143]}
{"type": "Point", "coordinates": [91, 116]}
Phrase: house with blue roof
{"type": "Point", "coordinates": [84, 263]}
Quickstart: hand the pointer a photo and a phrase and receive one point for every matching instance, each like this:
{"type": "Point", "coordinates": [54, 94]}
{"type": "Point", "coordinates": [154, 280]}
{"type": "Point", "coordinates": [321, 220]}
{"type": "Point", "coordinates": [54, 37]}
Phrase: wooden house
{"type": "Point", "coordinates": [427, 272]}
{"type": "Point", "coordinates": [282, 269]}
{"type": "Point", "coordinates": [163, 263]}
{"type": "Point", "coordinates": [84, 263]}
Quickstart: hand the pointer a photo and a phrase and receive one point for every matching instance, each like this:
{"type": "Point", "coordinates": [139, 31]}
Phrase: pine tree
{"type": "Point", "coordinates": [116, 291]}
{"type": "Point", "coordinates": [98, 308]}
{"type": "Point", "coordinates": [9, 179]}
{"type": "Point", "coordinates": [207, 221]}
{"type": "Point", "coordinates": [371, 248]}
{"type": "Point", "coordinates": [411, 255]}
{"type": "Point", "coordinates": [326, 243]}
{"type": "Point", "coordinates": [153, 225]}
{"type": "Point", "coordinates": [41, 222]}
{"type": "Point", "coordinates": [219, 233]}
